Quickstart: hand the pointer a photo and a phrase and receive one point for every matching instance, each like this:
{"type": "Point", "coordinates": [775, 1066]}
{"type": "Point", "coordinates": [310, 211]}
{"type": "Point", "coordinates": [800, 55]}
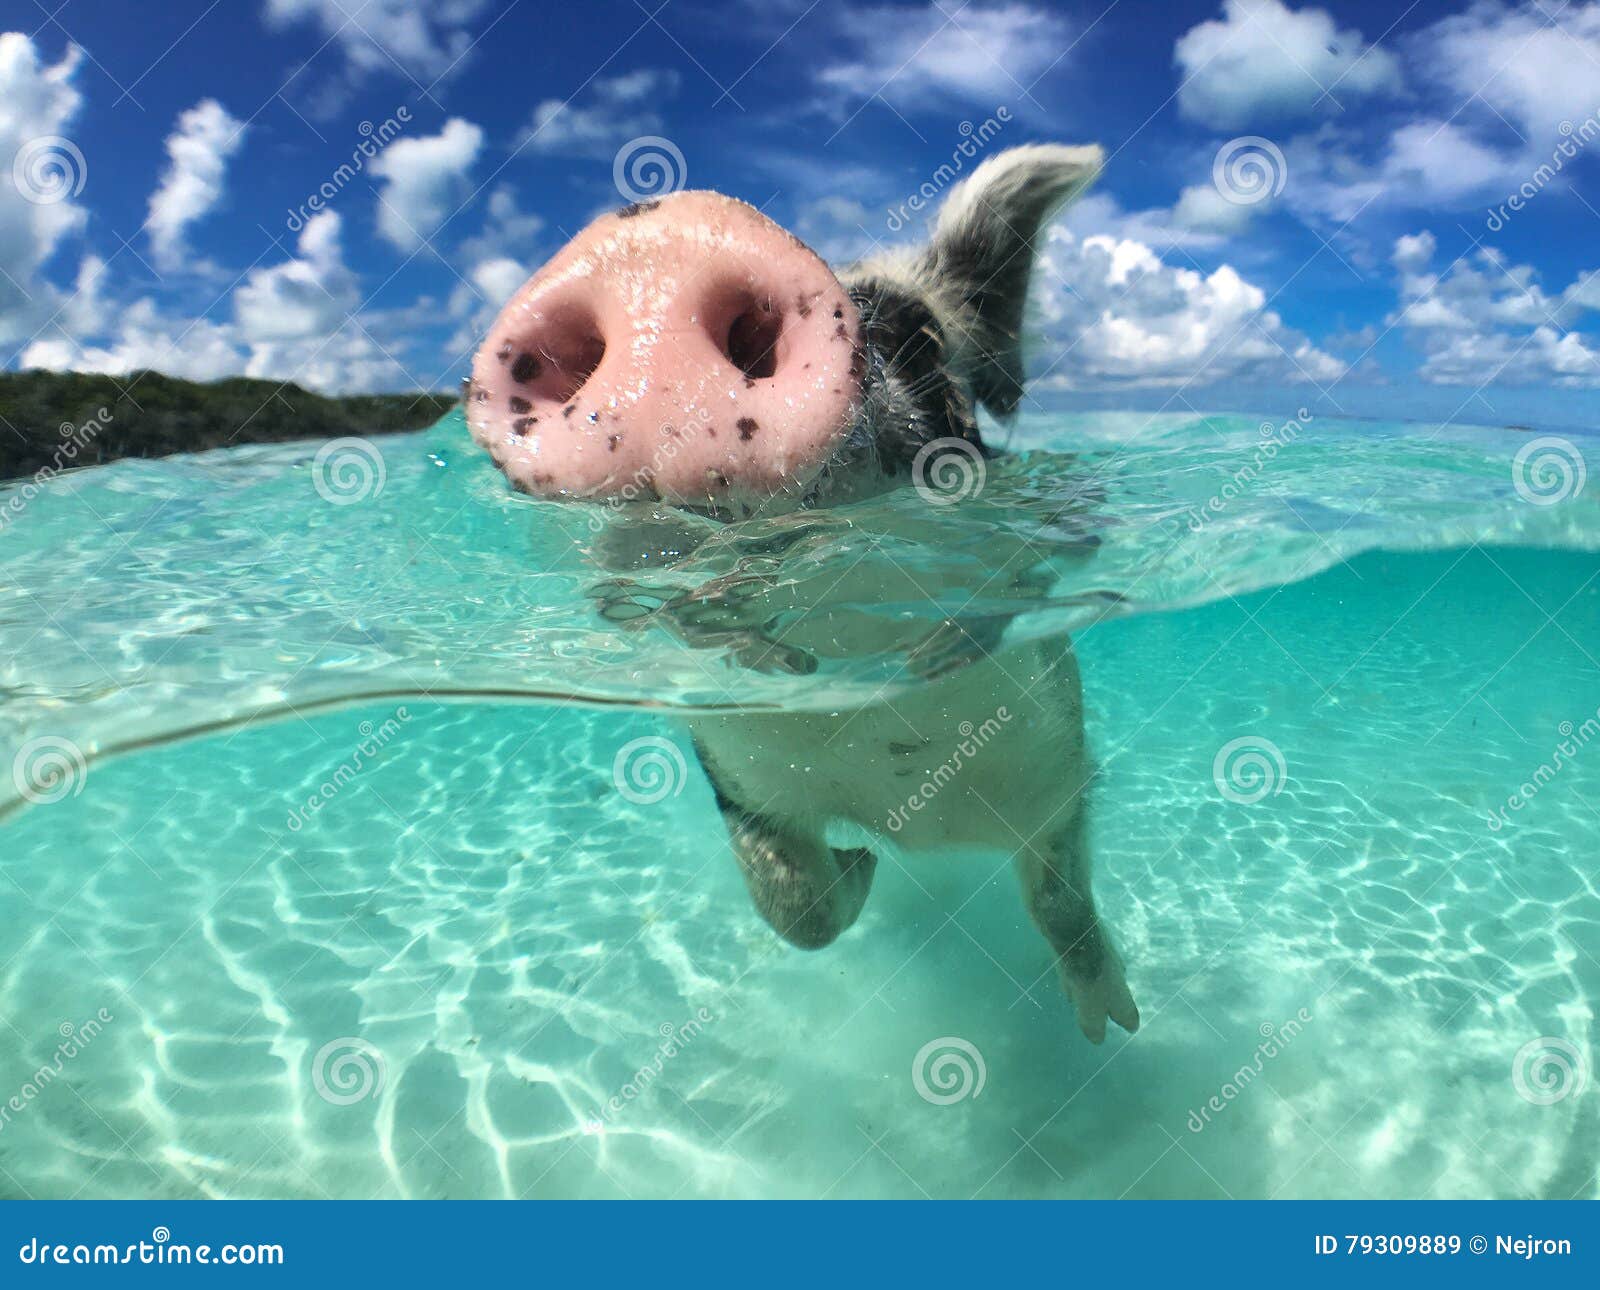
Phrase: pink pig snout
{"type": "Point", "coordinates": [687, 348]}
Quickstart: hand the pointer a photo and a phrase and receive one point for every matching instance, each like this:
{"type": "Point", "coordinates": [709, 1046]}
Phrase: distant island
{"type": "Point", "coordinates": [57, 420]}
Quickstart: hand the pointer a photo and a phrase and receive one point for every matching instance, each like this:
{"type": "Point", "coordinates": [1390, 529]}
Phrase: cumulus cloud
{"type": "Point", "coordinates": [479, 297]}
{"type": "Point", "coordinates": [1422, 165]}
{"type": "Point", "coordinates": [1504, 88]}
{"type": "Point", "coordinates": [197, 157]}
{"type": "Point", "coordinates": [1202, 209]}
{"type": "Point", "coordinates": [1533, 67]}
{"type": "Point", "coordinates": [292, 322]}
{"type": "Point", "coordinates": [1112, 314]}
{"type": "Point", "coordinates": [507, 229]}
{"type": "Point", "coordinates": [37, 106]}
{"type": "Point", "coordinates": [418, 37]}
{"type": "Point", "coordinates": [197, 349]}
{"type": "Point", "coordinates": [1196, 223]}
{"type": "Point", "coordinates": [1482, 320]}
{"type": "Point", "coordinates": [841, 229]}
{"type": "Point", "coordinates": [423, 180]}
{"type": "Point", "coordinates": [348, 361]}
{"type": "Point", "coordinates": [309, 296]}
{"type": "Point", "coordinates": [978, 53]}
{"type": "Point", "coordinates": [612, 110]}
{"type": "Point", "coordinates": [1262, 60]}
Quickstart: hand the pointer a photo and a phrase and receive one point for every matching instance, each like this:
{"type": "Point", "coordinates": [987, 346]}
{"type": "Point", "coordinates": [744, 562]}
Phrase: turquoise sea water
{"type": "Point", "coordinates": [317, 858]}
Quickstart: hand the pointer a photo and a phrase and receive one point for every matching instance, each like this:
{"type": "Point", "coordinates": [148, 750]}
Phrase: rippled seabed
{"type": "Point", "coordinates": [457, 975]}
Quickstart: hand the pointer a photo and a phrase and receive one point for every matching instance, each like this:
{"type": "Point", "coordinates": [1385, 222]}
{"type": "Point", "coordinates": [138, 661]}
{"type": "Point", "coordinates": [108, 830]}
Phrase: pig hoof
{"type": "Point", "coordinates": [1107, 995]}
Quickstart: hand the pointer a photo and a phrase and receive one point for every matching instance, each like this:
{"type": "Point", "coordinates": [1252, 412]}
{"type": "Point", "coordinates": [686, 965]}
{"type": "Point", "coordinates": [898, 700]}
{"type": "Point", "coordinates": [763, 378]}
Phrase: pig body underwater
{"type": "Point", "coordinates": [689, 349]}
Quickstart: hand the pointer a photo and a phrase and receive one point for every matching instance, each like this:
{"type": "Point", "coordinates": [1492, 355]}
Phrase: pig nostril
{"type": "Point", "coordinates": [576, 373]}
{"type": "Point", "coordinates": [752, 344]}
{"type": "Point", "coordinates": [556, 365]}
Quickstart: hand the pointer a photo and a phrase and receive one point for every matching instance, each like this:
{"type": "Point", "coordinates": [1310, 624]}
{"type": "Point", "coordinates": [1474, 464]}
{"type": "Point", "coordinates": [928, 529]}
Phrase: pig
{"type": "Point", "coordinates": [689, 350]}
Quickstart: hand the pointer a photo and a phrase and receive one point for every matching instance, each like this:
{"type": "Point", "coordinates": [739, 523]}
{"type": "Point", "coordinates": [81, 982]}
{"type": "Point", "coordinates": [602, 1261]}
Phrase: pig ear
{"type": "Point", "coordinates": [982, 252]}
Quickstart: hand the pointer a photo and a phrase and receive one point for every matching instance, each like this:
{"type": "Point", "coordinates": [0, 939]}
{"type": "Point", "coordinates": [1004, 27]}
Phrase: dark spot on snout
{"type": "Point", "coordinates": [716, 478]}
{"type": "Point", "coordinates": [569, 409]}
{"type": "Point", "coordinates": [747, 429]}
{"type": "Point", "coordinates": [838, 313]}
{"type": "Point", "coordinates": [524, 369]}
{"type": "Point", "coordinates": [504, 352]}
{"type": "Point", "coordinates": [637, 208]}
{"type": "Point", "coordinates": [520, 406]}
{"type": "Point", "coordinates": [521, 424]}
{"type": "Point", "coordinates": [612, 440]}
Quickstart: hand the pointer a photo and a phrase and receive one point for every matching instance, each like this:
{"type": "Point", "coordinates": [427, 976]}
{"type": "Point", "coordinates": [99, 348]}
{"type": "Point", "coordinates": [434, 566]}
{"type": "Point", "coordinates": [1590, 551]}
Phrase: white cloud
{"type": "Point", "coordinates": [349, 361]}
{"type": "Point", "coordinates": [292, 322]}
{"type": "Point", "coordinates": [1484, 321]}
{"type": "Point", "coordinates": [842, 229]}
{"type": "Point", "coordinates": [613, 110]}
{"type": "Point", "coordinates": [1412, 251]}
{"type": "Point", "coordinates": [1202, 209]}
{"type": "Point", "coordinates": [497, 279]}
{"type": "Point", "coordinates": [1505, 87]}
{"type": "Point", "coordinates": [37, 104]}
{"type": "Point", "coordinates": [1437, 161]}
{"type": "Point", "coordinates": [423, 180]}
{"type": "Point", "coordinates": [478, 299]}
{"type": "Point", "coordinates": [1264, 60]}
{"type": "Point", "coordinates": [307, 297]}
{"type": "Point", "coordinates": [507, 230]}
{"type": "Point", "coordinates": [1537, 66]}
{"type": "Point", "coordinates": [1112, 314]}
{"type": "Point", "coordinates": [345, 362]}
{"type": "Point", "coordinates": [1423, 165]}
{"type": "Point", "coordinates": [417, 37]}
{"type": "Point", "coordinates": [980, 53]}
{"type": "Point", "coordinates": [197, 349]}
{"type": "Point", "coordinates": [198, 151]}
{"type": "Point", "coordinates": [1195, 222]}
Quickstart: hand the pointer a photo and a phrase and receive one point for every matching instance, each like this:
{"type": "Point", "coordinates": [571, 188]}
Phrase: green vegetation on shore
{"type": "Point", "coordinates": [56, 420]}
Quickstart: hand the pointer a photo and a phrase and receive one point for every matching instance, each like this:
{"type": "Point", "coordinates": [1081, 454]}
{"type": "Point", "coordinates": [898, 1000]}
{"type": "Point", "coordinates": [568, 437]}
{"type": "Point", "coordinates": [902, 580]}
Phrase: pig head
{"type": "Point", "coordinates": [690, 350]}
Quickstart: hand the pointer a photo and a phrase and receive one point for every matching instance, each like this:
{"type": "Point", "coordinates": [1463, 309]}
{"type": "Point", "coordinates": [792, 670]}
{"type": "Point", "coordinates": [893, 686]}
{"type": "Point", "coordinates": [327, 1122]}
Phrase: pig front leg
{"type": "Point", "coordinates": [808, 892]}
{"type": "Point", "coordinates": [1055, 884]}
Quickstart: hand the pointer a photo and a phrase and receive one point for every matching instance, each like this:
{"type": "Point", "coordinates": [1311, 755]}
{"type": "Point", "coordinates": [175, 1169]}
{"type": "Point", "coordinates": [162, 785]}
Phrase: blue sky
{"type": "Point", "coordinates": [1361, 255]}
